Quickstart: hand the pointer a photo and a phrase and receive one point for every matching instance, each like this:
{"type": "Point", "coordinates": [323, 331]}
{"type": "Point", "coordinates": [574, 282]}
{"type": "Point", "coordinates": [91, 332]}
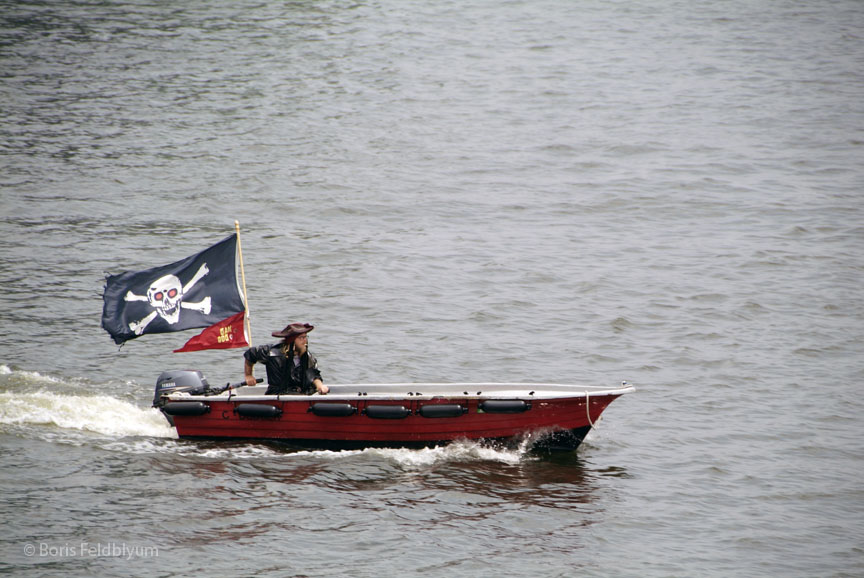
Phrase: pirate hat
{"type": "Point", "coordinates": [293, 330]}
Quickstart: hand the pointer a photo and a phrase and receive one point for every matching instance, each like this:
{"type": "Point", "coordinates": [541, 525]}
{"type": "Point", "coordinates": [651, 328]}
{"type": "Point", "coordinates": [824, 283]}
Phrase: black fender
{"type": "Point", "coordinates": [257, 410]}
{"type": "Point", "coordinates": [387, 411]}
{"type": "Point", "coordinates": [504, 406]}
{"type": "Point", "coordinates": [442, 410]}
{"type": "Point", "coordinates": [186, 408]}
{"type": "Point", "coordinates": [333, 409]}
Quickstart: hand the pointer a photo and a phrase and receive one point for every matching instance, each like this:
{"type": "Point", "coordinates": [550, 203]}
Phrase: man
{"type": "Point", "coordinates": [290, 368]}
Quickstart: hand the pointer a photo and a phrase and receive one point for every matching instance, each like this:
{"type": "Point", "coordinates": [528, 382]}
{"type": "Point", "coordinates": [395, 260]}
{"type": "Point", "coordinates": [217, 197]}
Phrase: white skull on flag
{"type": "Point", "coordinates": [165, 296]}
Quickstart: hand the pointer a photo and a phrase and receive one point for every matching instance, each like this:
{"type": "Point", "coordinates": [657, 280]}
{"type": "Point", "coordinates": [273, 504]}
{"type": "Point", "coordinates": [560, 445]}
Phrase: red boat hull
{"type": "Point", "coordinates": [558, 423]}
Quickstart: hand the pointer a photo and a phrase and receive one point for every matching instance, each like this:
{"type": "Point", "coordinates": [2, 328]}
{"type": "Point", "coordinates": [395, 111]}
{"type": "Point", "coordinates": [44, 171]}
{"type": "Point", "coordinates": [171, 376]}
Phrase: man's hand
{"type": "Point", "coordinates": [320, 387]}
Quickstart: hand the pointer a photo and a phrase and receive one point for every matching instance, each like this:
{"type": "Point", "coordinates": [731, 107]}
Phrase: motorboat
{"type": "Point", "coordinates": [549, 416]}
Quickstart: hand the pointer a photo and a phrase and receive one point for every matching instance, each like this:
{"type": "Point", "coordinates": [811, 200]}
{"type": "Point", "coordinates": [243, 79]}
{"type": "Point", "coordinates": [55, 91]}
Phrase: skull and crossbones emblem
{"type": "Point", "coordinates": [165, 296]}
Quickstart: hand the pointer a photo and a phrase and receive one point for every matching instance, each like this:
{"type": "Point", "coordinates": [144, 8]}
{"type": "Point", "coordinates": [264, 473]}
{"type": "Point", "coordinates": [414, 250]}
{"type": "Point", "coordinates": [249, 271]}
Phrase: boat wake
{"type": "Point", "coordinates": [97, 414]}
{"type": "Point", "coordinates": [31, 401]}
{"type": "Point", "coordinates": [460, 451]}
{"type": "Point", "coordinates": [52, 409]}
{"type": "Point", "coordinates": [117, 425]}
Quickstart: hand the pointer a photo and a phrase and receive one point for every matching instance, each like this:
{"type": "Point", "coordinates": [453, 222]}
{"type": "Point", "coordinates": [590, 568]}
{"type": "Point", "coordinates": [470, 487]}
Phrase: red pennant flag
{"type": "Point", "coordinates": [226, 334]}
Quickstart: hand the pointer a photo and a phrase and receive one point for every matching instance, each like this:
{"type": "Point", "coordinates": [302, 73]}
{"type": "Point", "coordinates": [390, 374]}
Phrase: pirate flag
{"type": "Point", "coordinates": [198, 291]}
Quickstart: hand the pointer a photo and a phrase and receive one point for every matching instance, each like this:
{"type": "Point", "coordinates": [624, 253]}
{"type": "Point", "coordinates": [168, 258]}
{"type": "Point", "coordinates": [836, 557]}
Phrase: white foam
{"type": "Point", "coordinates": [458, 451]}
{"type": "Point", "coordinates": [28, 376]}
{"type": "Point", "coordinates": [99, 414]}
{"type": "Point", "coordinates": [406, 458]}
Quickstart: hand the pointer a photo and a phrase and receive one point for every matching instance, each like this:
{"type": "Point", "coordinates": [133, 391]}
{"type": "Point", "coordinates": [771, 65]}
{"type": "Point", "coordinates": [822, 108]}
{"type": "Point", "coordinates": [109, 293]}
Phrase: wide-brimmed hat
{"type": "Point", "coordinates": [293, 330]}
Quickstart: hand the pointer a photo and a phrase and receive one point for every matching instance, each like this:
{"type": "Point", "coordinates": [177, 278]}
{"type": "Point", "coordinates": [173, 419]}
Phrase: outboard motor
{"type": "Point", "coordinates": [176, 380]}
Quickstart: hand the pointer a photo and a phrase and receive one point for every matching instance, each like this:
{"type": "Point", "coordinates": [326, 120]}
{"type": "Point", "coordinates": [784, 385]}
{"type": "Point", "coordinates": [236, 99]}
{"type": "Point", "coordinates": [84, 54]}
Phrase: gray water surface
{"type": "Point", "coordinates": [576, 192]}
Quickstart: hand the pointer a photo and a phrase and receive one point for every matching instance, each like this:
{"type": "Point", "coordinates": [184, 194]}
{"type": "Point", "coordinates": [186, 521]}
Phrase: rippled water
{"type": "Point", "coordinates": [664, 193]}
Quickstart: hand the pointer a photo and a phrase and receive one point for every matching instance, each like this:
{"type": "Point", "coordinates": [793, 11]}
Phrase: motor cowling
{"type": "Point", "coordinates": [190, 381]}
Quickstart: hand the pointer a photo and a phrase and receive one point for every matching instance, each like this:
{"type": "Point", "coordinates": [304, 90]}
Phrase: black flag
{"type": "Point", "coordinates": [198, 291]}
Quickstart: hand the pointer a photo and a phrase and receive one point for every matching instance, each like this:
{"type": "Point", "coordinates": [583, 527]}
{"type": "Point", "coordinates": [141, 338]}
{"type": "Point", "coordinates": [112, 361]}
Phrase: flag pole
{"type": "Point", "coordinates": [243, 276]}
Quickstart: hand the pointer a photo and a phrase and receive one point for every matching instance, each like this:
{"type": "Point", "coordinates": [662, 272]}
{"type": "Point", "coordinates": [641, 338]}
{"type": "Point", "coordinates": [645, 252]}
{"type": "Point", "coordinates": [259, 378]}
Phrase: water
{"type": "Point", "coordinates": [664, 193]}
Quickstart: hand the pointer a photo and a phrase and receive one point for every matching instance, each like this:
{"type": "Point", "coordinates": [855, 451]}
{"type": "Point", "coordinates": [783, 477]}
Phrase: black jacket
{"type": "Point", "coordinates": [282, 375]}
